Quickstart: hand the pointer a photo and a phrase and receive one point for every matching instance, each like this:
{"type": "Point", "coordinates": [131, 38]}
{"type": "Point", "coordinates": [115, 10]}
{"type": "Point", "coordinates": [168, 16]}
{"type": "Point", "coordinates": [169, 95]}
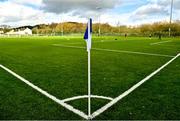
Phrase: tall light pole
{"type": "Point", "coordinates": [62, 30]}
{"type": "Point", "coordinates": [170, 18]}
{"type": "Point", "coordinates": [99, 30]}
{"type": "Point", "coordinates": [62, 27]}
{"type": "Point", "coordinates": [119, 26]}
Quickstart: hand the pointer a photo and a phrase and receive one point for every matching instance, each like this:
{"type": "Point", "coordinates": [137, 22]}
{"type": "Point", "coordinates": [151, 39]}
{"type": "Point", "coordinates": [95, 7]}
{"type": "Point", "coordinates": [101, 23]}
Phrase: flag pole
{"type": "Point", "coordinates": [88, 37]}
{"type": "Point", "coordinates": [89, 84]}
{"type": "Point", "coordinates": [89, 72]}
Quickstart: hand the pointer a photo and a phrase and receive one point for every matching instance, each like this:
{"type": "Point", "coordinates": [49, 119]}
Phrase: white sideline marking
{"type": "Point", "coordinates": [114, 101]}
{"type": "Point", "coordinates": [58, 45]}
{"type": "Point", "coordinates": [117, 51]}
{"type": "Point", "coordinates": [77, 43]}
{"type": "Point", "coordinates": [133, 52]}
{"type": "Point", "coordinates": [157, 43]}
{"type": "Point", "coordinates": [67, 106]}
{"type": "Point", "coordinates": [103, 41]}
{"type": "Point", "coordinates": [166, 45]}
{"type": "Point", "coordinates": [86, 96]}
{"type": "Point", "coordinates": [99, 41]}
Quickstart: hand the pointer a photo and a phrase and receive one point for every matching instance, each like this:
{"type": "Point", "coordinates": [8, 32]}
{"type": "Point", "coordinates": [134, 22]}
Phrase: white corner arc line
{"type": "Point", "coordinates": [86, 96]}
{"type": "Point", "coordinates": [117, 51]}
{"type": "Point", "coordinates": [157, 43]}
{"type": "Point", "coordinates": [115, 100]}
{"type": "Point", "coordinates": [65, 105]}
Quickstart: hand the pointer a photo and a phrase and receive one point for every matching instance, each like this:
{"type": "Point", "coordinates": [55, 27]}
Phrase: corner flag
{"type": "Point", "coordinates": [88, 34]}
{"type": "Point", "coordinates": [88, 37]}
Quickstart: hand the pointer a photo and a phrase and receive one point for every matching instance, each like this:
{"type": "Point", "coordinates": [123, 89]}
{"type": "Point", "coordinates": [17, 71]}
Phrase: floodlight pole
{"type": "Point", "coordinates": [170, 18]}
{"type": "Point", "coordinates": [119, 26]}
{"type": "Point", "coordinates": [99, 25]}
{"type": "Point", "coordinates": [62, 31]}
{"type": "Point", "coordinates": [62, 28]}
{"type": "Point", "coordinates": [99, 8]}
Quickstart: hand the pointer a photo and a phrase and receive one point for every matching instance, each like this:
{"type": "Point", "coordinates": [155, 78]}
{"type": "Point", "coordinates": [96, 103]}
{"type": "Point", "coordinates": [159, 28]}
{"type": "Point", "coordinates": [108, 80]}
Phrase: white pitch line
{"type": "Point", "coordinates": [133, 52]}
{"type": "Point", "coordinates": [77, 47]}
{"type": "Point", "coordinates": [117, 51]}
{"type": "Point", "coordinates": [75, 43]}
{"type": "Point", "coordinates": [104, 41]}
{"type": "Point", "coordinates": [157, 43]}
{"type": "Point", "coordinates": [100, 41]}
{"type": "Point", "coordinates": [167, 45]}
{"type": "Point", "coordinates": [86, 96]}
{"type": "Point", "coordinates": [114, 101]}
{"type": "Point", "coordinates": [67, 106]}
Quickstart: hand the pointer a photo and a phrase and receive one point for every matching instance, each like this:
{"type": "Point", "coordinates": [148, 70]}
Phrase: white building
{"type": "Point", "coordinates": [1, 32]}
{"type": "Point", "coordinates": [11, 32]}
{"type": "Point", "coordinates": [26, 31]}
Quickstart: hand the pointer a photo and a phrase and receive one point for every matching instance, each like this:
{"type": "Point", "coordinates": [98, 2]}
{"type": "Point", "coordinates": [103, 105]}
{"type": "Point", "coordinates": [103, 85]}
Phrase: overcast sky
{"type": "Point", "coordinates": [128, 12]}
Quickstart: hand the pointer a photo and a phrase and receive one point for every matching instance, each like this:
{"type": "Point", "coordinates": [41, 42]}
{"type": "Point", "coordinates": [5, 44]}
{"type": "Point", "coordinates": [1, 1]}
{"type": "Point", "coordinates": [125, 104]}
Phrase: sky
{"type": "Point", "coordinates": [115, 12]}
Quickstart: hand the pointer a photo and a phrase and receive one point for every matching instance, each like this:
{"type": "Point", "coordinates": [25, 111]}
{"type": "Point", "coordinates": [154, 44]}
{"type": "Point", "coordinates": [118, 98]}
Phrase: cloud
{"type": "Point", "coordinates": [28, 2]}
{"type": "Point", "coordinates": [156, 10]}
{"type": "Point", "coordinates": [149, 10]}
{"type": "Point", "coordinates": [17, 13]}
{"type": "Point", "coordinates": [129, 12]}
{"type": "Point", "coordinates": [81, 7]}
{"type": "Point", "coordinates": [166, 3]}
{"type": "Point", "coordinates": [9, 9]}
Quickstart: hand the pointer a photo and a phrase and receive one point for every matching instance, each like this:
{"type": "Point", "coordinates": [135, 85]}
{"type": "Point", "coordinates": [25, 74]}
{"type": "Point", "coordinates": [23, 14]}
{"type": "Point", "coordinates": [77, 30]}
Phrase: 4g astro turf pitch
{"type": "Point", "coordinates": [58, 65]}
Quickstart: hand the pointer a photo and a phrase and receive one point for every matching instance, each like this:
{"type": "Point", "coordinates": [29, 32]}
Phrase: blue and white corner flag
{"type": "Point", "coordinates": [88, 35]}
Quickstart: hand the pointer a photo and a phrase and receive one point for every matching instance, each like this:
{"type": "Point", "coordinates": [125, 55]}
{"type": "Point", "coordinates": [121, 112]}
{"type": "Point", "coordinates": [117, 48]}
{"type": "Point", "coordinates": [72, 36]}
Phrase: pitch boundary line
{"type": "Point", "coordinates": [115, 100]}
{"type": "Point", "coordinates": [166, 45]}
{"type": "Point", "coordinates": [157, 43]}
{"type": "Point", "coordinates": [117, 51]}
{"type": "Point", "coordinates": [100, 41]}
{"type": "Point", "coordinates": [62, 103]}
{"type": "Point", "coordinates": [134, 52]}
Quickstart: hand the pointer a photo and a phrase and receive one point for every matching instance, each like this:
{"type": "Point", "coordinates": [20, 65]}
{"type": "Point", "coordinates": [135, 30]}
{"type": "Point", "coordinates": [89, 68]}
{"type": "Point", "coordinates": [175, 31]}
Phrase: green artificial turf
{"type": "Point", "coordinates": [62, 72]}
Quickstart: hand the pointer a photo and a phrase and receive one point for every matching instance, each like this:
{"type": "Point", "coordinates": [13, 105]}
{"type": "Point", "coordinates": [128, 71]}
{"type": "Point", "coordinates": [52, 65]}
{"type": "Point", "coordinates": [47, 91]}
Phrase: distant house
{"type": "Point", "coordinates": [1, 32]}
{"type": "Point", "coordinates": [11, 32]}
{"type": "Point", "coordinates": [26, 31]}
